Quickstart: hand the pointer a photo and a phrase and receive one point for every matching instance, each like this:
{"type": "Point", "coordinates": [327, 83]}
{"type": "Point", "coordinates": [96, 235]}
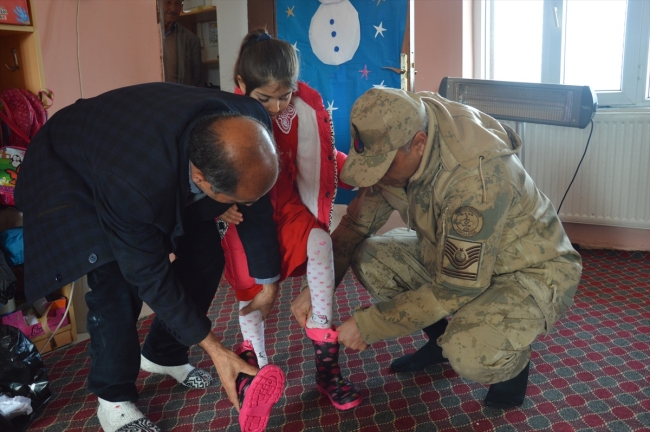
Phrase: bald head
{"type": "Point", "coordinates": [235, 155]}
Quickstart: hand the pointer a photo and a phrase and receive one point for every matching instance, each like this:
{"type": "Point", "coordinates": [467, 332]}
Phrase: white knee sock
{"type": "Point", "coordinates": [320, 276]}
{"type": "Point", "coordinates": [252, 330]}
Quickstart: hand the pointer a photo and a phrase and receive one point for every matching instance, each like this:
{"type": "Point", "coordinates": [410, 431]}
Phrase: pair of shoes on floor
{"type": "Point", "coordinates": [126, 417]}
{"type": "Point", "coordinates": [257, 394]}
{"type": "Point", "coordinates": [123, 417]}
{"type": "Point", "coordinates": [185, 374]}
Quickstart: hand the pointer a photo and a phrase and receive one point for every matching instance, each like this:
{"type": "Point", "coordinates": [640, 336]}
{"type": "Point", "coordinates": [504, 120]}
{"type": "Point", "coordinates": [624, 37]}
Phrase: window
{"type": "Point", "coordinates": [600, 43]}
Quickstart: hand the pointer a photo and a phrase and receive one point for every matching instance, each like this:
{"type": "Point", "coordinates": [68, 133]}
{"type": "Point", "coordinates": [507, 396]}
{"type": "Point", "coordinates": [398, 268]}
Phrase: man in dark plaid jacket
{"type": "Point", "coordinates": [109, 187]}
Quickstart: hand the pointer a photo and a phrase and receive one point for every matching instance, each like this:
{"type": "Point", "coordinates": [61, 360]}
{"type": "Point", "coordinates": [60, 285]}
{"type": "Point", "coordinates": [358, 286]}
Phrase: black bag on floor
{"type": "Point", "coordinates": [22, 373]}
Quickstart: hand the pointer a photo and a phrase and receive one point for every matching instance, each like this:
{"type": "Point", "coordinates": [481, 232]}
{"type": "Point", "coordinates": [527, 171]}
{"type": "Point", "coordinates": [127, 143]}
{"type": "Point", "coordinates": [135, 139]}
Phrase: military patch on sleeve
{"type": "Point", "coordinates": [467, 221]}
{"type": "Point", "coordinates": [462, 259]}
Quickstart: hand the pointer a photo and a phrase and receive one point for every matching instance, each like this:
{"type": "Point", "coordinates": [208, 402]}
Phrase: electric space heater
{"type": "Point", "coordinates": [551, 104]}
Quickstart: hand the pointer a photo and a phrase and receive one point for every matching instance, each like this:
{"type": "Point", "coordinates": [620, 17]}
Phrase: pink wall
{"type": "Point", "coordinates": [438, 42]}
{"type": "Point", "coordinates": [119, 46]}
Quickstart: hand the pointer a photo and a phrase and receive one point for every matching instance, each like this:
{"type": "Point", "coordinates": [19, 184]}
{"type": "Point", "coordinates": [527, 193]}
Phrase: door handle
{"type": "Point", "coordinates": [394, 69]}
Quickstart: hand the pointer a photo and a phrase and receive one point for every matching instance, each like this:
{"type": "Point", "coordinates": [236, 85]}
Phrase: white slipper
{"type": "Point", "coordinates": [185, 374]}
{"type": "Point", "coordinates": [123, 417]}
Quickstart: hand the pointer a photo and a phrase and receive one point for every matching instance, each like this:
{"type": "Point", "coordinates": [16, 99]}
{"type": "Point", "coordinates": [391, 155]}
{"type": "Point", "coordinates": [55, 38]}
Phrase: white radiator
{"type": "Point", "coordinates": [613, 184]}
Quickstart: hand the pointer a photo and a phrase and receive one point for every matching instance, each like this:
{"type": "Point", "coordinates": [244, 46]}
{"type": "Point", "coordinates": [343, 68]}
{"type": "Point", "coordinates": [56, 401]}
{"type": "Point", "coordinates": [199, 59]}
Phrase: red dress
{"type": "Point", "coordinates": [292, 217]}
{"type": "Point", "coordinates": [310, 146]}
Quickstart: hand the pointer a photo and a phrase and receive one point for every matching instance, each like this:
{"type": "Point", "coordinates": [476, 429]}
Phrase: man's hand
{"type": "Point", "coordinates": [232, 216]}
{"type": "Point", "coordinates": [263, 300]}
{"type": "Point", "coordinates": [228, 365]}
{"type": "Point", "coordinates": [301, 307]}
{"type": "Point", "coordinates": [350, 337]}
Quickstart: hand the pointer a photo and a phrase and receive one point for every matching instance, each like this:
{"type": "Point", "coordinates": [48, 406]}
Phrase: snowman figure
{"type": "Point", "coordinates": [335, 32]}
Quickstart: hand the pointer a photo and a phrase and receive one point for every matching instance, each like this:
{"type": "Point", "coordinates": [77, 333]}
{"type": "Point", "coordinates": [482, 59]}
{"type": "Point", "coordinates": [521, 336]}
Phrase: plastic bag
{"type": "Point", "coordinates": [14, 406]}
{"type": "Point", "coordinates": [22, 373]}
{"type": "Point", "coordinates": [10, 160]}
{"type": "Point", "coordinates": [12, 245]}
{"type": "Point", "coordinates": [24, 113]}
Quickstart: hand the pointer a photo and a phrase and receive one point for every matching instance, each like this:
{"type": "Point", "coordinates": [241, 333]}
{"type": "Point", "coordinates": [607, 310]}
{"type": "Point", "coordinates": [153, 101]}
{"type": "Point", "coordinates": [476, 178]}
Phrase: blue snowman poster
{"type": "Point", "coordinates": [344, 47]}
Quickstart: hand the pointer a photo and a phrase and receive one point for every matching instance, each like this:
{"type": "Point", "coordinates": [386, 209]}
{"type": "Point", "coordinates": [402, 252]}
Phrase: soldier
{"type": "Point", "coordinates": [482, 243]}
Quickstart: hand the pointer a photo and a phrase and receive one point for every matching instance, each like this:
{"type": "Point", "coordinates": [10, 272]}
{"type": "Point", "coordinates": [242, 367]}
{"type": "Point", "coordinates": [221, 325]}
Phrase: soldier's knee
{"type": "Point", "coordinates": [480, 353]}
{"type": "Point", "coordinates": [362, 257]}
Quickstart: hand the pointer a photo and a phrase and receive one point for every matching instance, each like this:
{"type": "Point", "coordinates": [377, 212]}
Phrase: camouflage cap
{"type": "Point", "coordinates": [382, 121]}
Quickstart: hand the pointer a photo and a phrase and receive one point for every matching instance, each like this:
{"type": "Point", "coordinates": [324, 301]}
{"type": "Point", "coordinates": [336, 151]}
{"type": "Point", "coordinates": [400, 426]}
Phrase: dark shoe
{"type": "Point", "coordinates": [508, 394]}
{"type": "Point", "coordinates": [341, 392]}
{"type": "Point", "coordinates": [257, 394]}
{"type": "Point", "coordinates": [428, 355]}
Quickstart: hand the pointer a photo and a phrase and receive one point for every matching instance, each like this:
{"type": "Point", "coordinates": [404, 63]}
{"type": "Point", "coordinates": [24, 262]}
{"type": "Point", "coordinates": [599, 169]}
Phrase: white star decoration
{"type": "Point", "coordinates": [380, 29]}
{"type": "Point", "coordinates": [295, 46]}
{"type": "Point", "coordinates": [381, 85]}
{"type": "Point", "coordinates": [331, 107]}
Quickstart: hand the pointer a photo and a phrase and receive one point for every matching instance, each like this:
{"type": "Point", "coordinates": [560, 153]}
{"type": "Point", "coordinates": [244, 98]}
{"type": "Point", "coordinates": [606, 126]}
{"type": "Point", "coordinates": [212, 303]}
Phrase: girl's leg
{"type": "Point", "coordinates": [320, 275]}
{"type": "Point", "coordinates": [252, 330]}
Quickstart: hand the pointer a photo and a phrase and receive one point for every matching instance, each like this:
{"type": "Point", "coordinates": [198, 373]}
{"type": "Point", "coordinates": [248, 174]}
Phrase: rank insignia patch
{"type": "Point", "coordinates": [462, 259]}
{"type": "Point", "coordinates": [467, 221]}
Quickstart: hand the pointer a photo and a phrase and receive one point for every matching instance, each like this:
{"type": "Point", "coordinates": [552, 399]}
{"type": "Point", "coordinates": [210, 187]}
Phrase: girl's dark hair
{"type": "Point", "coordinates": [263, 60]}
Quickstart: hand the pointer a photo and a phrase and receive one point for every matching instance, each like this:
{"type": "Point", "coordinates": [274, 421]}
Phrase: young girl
{"type": "Point", "coordinates": [267, 70]}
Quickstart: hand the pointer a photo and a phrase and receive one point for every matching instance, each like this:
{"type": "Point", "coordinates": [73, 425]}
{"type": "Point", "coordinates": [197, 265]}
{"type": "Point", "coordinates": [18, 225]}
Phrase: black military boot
{"type": "Point", "coordinates": [429, 354]}
{"type": "Point", "coordinates": [509, 393]}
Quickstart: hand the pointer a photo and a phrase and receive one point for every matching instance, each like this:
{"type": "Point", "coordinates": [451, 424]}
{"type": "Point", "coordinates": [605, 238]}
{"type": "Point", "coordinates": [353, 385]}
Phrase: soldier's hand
{"type": "Point", "coordinates": [232, 215]}
{"type": "Point", "coordinates": [350, 336]}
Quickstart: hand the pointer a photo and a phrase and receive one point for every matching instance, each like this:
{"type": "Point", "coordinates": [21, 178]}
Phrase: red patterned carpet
{"type": "Point", "coordinates": [591, 374]}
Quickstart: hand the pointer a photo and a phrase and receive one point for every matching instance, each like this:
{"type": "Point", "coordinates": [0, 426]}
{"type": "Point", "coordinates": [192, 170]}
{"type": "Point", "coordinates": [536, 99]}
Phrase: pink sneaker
{"type": "Point", "coordinates": [257, 394]}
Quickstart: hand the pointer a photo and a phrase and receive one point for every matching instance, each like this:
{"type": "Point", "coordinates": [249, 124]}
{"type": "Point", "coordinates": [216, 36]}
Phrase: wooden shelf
{"type": "Point", "coordinates": [15, 29]}
{"type": "Point", "coordinates": [199, 15]}
{"type": "Point", "coordinates": [199, 11]}
{"type": "Point", "coordinates": [28, 50]}
{"type": "Point", "coordinates": [30, 76]}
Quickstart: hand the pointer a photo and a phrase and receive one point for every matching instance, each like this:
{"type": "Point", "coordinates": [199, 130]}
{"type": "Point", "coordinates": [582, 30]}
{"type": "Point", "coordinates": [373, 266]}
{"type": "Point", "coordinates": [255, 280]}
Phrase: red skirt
{"type": "Point", "coordinates": [294, 223]}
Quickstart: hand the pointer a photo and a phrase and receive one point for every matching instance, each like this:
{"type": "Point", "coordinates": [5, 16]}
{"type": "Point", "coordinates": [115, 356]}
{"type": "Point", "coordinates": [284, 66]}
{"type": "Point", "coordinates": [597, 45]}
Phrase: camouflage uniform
{"type": "Point", "coordinates": [483, 243]}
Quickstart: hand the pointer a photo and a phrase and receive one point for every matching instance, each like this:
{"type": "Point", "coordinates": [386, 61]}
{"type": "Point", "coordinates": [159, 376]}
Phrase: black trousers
{"type": "Point", "coordinates": [114, 307]}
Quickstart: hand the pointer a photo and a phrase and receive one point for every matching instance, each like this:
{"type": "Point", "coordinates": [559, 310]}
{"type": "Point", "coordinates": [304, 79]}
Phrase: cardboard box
{"type": "Point", "coordinates": [44, 326]}
{"type": "Point", "coordinates": [14, 12]}
{"type": "Point", "coordinates": [61, 338]}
